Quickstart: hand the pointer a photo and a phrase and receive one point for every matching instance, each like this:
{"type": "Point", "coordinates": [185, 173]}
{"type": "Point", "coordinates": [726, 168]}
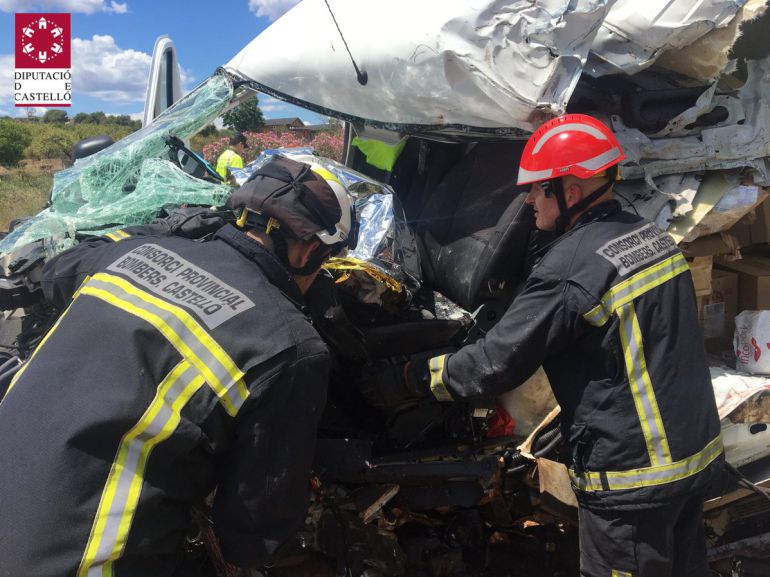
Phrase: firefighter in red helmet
{"type": "Point", "coordinates": [609, 312]}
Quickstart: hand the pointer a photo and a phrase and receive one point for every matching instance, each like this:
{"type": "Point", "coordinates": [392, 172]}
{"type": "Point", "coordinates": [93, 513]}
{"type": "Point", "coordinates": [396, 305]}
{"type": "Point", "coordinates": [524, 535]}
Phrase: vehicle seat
{"type": "Point", "coordinates": [473, 229]}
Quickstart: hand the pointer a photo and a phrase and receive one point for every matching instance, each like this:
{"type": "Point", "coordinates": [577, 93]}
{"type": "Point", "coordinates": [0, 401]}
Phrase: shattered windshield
{"type": "Point", "coordinates": [131, 181]}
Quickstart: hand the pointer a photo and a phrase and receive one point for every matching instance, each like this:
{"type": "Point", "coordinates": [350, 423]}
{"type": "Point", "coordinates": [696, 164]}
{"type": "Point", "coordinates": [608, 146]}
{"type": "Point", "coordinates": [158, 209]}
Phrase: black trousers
{"type": "Point", "coordinates": [661, 541]}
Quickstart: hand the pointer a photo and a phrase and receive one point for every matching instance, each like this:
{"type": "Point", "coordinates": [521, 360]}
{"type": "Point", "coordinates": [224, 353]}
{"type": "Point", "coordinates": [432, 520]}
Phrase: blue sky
{"type": "Point", "coordinates": [112, 45]}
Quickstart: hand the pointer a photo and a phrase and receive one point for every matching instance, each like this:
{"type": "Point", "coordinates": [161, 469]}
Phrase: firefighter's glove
{"type": "Point", "coordinates": [392, 383]}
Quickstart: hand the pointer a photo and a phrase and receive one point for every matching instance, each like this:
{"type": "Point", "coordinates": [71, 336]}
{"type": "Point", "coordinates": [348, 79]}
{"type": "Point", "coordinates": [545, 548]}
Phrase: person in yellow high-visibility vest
{"type": "Point", "coordinates": [231, 158]}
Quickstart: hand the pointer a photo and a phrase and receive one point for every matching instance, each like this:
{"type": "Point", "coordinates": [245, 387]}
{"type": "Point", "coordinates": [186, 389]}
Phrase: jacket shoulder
{"type": "Point", "coordinates": [598, 253]}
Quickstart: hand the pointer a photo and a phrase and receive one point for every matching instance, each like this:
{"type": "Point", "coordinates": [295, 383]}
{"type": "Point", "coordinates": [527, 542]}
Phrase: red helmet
{"type": "Point", "coordinates": [571, 144]}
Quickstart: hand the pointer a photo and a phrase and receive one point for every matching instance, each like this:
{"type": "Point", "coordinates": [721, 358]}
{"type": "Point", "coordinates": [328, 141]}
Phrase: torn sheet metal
{"type": "Point", "coordinates": [745, 443]}
{"type": "Point", "coordinates": [486, 64]}
{"type": "Point", "coordinates": [720, 147]}
{"type": "Point", "coordinates": [686, 123]}
{"type": "Point", "coordinates": [668, 198]}
{"type": "Point", "coordinates": [634, 33]}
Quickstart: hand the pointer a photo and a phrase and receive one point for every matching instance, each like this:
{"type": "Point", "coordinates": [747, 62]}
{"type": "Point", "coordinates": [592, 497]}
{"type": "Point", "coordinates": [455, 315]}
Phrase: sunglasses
{"type": "Point", "coordinates": [546, 186]}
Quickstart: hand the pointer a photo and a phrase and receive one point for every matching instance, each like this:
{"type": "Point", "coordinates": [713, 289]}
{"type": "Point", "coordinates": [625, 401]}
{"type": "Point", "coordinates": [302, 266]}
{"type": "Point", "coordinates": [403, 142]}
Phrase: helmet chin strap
{"type": "Point", "coordinates": [566, 213]}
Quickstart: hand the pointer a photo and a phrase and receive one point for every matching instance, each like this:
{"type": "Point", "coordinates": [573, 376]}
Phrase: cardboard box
{"type": "Point", "coordinates": [716, 312]}
{"type": "Point", "coordinates": [700, 268]}
{"type": "Point", "coordinates": [753, 282]}
{"type": "Point", "coordinates": [756, 232]}
{"type": "Point", "coordinates": [722, 244]}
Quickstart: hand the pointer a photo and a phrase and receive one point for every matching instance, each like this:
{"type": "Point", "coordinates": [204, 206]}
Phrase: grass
{"type": "Point", "coordinates": [23, 192]}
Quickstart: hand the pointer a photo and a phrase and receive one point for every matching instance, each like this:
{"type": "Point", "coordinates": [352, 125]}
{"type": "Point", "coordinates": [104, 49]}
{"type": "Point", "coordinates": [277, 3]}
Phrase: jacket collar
{"type": "Point", "coordinates": [598, 212]}
{"type": "Point", "coordinates": [276, 273]}
{"type": "Point", "coordinates": [593, 214]}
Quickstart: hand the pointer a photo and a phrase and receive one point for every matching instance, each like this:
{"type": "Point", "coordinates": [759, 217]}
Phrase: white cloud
{"type": "Point", "coordinates": [7, 63]}
{"type": "Point", "coordinates": [100, 68]}
{"type": "Point", "coordinates": [79, 6]}
{"type": "Point", "coordinates": [274, 108]}
{"type": "Point", "coordinates": [118, 8]}
{"type": "Point", "coordinates": [272, 9]}
{"type": "Point", "coordinates": [270, 104]}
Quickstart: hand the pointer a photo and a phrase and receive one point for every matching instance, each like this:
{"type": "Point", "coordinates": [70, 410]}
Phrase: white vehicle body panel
{"type": "Point", "coordinates": [484, 64]}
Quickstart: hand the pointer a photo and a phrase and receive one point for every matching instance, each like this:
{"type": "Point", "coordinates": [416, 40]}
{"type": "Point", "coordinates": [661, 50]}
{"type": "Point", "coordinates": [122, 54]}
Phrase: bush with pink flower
{"type": "Point", "coordinates": [325, 144]}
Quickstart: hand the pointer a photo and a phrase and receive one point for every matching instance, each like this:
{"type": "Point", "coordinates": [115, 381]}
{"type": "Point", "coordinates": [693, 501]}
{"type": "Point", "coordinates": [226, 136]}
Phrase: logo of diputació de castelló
{"type": "Point", "coordinates": [43, 75]}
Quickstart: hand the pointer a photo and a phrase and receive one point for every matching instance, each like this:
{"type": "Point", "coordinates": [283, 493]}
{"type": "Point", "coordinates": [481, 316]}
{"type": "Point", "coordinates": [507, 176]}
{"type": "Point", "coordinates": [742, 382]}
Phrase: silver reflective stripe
{"type": "Point", "coordinates": [600, 160]}
{"type": "Point", "coordinates": [569, 127]}
{"type": "Point", "coordinates": [650, 476]}
{"type": "Point", "coordinates": [641, 387]}
{"type": "Point", "coordinates": [208, 358]}
{"type": "Point", "coordinates": [597, 316]}
{"type": "Point", "coordinates": [642, 282]}
{"type": "Point", "coordinates": [124, 483]}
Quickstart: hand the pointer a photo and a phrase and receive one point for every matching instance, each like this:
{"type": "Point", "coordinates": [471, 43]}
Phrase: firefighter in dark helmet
{"type": "Point", "coordinates": [176, 368]}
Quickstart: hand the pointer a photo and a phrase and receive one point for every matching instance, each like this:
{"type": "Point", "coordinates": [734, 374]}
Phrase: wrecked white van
{"type": "Point", "coordinates": [446, 93]}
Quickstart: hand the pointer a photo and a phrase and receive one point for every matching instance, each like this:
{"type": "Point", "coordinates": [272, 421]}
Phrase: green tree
{"type": "Point", "coordinates": [13, 140]}
{"type": "Point", "coordinates": [122, 120]}
{"type": "Point", "coordinates": [81, 117]}
{"type": "Point", "coordinates": [245, 116]}
{"type": "Point", "coordinates": [98, 117]}
{"type": "Point", "coordinates": [55, 115]}
{"type": "Point", "coordinates": [50, 141]}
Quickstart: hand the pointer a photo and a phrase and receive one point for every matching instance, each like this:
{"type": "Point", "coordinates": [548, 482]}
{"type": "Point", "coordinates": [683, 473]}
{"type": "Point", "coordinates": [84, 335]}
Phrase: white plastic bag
{"type": "Point", "coordinates": [752, 342]}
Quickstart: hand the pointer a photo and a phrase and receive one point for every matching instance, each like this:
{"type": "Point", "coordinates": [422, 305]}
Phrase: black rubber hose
{"type": "Point", "coordinates": [545, 440]}
{"type": "Point", "coordinates": [542, 446]}
{"type": "Point", "coordinates": [552, 445]}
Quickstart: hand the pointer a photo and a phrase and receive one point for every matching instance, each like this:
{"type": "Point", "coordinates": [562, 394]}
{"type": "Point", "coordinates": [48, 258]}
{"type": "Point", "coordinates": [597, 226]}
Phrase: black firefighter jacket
{"type": "Point", "coordinates": [177, 367]}
{"type": "Point", "coordinates": [610, 313]}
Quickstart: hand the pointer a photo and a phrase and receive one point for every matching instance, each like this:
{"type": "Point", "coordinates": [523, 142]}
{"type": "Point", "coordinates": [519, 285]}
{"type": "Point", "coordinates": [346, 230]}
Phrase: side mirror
{"type": "Point", "coordinates": [92, 145]}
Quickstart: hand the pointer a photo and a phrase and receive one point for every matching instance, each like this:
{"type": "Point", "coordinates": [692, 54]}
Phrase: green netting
{"type": "Point", "coordinates": [129, 182]}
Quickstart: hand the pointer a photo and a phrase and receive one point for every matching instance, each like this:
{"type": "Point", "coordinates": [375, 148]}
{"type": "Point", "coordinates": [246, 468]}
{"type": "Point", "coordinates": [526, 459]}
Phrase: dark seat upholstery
{"type": "Point", "coordinates": [473, 228]}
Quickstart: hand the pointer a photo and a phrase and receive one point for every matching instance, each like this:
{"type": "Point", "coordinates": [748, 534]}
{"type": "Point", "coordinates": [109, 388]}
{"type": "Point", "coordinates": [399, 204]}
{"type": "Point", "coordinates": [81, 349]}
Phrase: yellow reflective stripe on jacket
{"type": "Point", "coordinates": [117, 235]}
{"type": "Point", "coordinates": [641, 386]}
{"type": "Point", "coordinates": [650, 476]}
{"type": "Point", "coordinates": [626, 291]}
{"type": "Point", "coordinates": [617, 573]}
{"type": "Point", "coordinates": [120, 497]}
{"type": "Point", "coordinates": [182, 331]}
{"type": "Point", "coordinates": [437, 386]}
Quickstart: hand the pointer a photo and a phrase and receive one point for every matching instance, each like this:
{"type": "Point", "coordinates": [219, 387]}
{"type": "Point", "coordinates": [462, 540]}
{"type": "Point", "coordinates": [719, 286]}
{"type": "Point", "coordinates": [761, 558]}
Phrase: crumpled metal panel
{"type": "Point", "coordinates": [493, 63]}
{"type": "Point", "coordinates": [720, 147]}
{"type": "Point", "coordinates": [635, 33]}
